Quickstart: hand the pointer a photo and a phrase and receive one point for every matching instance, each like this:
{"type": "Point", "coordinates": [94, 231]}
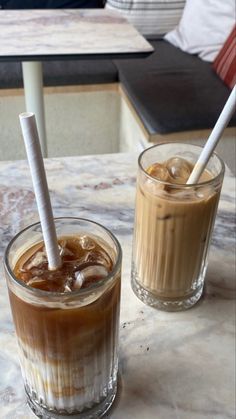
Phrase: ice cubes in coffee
{"type": "Point", "coordinates": [82, 258]}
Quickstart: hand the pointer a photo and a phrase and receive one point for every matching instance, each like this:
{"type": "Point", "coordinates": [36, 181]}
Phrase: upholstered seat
{"type": "Point", "coordinates": [173, 91]}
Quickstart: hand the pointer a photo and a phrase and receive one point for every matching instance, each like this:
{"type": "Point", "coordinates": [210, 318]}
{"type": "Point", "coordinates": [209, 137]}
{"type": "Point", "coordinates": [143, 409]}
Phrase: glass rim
{"type": "Point", "coordinates": [80, 292]}
{"type": "Point", "coordinates": [181, 185]}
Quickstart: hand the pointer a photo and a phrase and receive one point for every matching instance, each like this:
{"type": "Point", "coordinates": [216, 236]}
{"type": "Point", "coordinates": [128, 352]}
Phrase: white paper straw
{"type": "Point", "coordinates": [34, 154]}
{"type": "Point", "coordinates": [214, 137]}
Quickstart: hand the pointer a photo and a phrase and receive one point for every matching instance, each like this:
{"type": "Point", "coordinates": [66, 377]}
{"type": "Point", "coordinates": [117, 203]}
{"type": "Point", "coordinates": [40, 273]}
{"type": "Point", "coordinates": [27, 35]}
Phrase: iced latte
{"type": "Point", "coordinates": [173, 225]}
{"type": "Point", "coordinates": [67, 320]}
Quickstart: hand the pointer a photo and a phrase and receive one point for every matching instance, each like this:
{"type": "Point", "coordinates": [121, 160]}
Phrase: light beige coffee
{"type": "Point", "coordinates": [172, 229]}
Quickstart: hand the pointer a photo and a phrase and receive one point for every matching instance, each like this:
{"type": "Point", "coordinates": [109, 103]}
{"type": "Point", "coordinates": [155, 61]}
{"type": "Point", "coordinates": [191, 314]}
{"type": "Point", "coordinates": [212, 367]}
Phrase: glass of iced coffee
{"type": "Point", "coordinates": [173, 225]}
{"type": "Point", "coordinates": [67, 320]}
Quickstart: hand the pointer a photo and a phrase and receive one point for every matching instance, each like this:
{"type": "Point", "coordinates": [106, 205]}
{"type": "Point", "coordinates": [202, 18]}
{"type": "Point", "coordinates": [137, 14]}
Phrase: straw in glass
{"type": "Point", "coordinates": [214, 138]}
{"type": "Point", "coordinates": [35, 159]}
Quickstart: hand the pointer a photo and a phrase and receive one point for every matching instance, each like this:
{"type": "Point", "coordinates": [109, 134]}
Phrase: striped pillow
{"type": "Point", "coordinates": [150, 17]}
{"type": "Point", "coordinates": [225, 62]}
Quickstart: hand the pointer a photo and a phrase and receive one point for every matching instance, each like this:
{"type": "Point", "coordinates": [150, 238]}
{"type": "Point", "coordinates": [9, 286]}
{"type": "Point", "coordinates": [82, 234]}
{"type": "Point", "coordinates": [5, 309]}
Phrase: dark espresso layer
{"type": "Point", "coordinates": [61, 333]}
{"type": "Point", "coordinates": [71, 334]}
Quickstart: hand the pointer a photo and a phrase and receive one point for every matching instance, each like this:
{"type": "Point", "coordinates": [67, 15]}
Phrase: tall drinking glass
{"type": "Point", "coordinates": [173, 225]}
{"type": "Point", "coordinates": [68, 340]}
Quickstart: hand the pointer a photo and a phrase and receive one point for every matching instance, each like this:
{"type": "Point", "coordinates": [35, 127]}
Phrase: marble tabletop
{"type": "Point", "coordinates": [172, 365]}
{"type": "Point", "coordinates": [50, 34]}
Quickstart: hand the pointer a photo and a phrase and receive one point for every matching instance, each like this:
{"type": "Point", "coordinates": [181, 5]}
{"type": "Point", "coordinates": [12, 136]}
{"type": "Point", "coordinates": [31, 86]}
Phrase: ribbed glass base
{"type": "Point", "coordinates": [98, 410]}
{"type": "Point", "coordinates": [165, 304]}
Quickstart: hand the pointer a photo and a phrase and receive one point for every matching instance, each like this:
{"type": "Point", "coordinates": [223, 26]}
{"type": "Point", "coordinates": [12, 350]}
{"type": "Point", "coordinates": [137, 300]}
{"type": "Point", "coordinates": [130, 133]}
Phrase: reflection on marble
{"type": "Point", "coordinates": [67, 32]}
{"type": "Point", "coordinates": [172, 365]}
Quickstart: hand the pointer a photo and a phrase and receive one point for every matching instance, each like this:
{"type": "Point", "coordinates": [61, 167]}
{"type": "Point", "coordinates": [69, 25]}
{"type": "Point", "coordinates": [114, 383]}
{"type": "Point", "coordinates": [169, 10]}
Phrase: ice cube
{"type": "Point", "coordinates": [37, 272]}
{"type": "Point", "coordinates": [36, 282]}
{"type": "Point", "coordinates": [159, 172]}
{"type": "Point", "coordinates": [87, 243]}
{"type": "Point", "coordinates": [90, 272]}
{"type": "Point", "coordinates": [79, 279]}
{"type": "Point", "coordinates": [68, 285]}
{"type": "Point", "coordinates": [37, 260]}
{"type": "Point", "coordinates": [63, 250]}
{"type": "Point", "coordinates": [67, 288]}
{"type": "Point", "coordinates": [77, 263]}
{"type": "Point", "coordinates": [98, 258]}
{"type": "Point", "coordinates": [179, 169]}
{"type": "Point", "coordinates": [205, 193]}
{"type": "Point", "coordinates": [25, 276]}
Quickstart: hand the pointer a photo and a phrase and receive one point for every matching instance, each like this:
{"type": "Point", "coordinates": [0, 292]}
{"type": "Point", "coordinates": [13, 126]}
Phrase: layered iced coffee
{"type": "Point", "coordinates": [66, 323]}
{"type": "Point", "coordinates": [173, 225]}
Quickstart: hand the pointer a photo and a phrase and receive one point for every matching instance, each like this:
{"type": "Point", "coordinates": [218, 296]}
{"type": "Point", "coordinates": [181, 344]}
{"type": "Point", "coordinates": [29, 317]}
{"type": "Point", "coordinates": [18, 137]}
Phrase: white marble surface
{"type": "Point", "coordinates": [67, 32]}
{"type": "Point", "coordinates": [172, 365]}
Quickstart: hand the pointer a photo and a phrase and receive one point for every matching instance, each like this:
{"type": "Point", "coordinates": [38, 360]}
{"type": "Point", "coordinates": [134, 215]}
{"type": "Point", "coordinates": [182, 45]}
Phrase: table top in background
{"type": "Point", "coordinates": [68, 33]}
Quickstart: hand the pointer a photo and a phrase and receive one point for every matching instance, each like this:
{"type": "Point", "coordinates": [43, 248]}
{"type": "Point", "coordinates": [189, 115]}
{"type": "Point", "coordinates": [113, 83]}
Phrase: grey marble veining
{"type": "Point", "coordinates": [172, 365]}
{"type": "Point", "coordinates": [67, 32]}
